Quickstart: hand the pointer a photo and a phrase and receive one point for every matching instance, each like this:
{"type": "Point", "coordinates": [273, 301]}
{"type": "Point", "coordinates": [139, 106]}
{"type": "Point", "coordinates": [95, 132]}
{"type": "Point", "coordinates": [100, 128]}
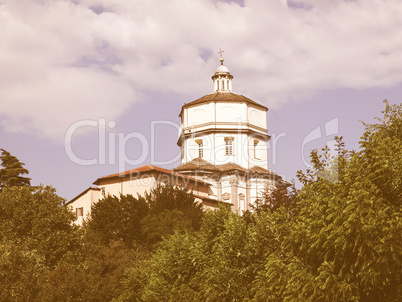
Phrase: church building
{"type": "Point", "coordinates": [224, 154]}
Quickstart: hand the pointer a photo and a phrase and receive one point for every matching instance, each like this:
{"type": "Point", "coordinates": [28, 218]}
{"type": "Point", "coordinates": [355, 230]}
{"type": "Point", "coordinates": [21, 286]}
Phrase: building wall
{"type": "Point", "coordinates": [85, 202]}
{"type": "Point", "coordinates": [212, 122]}
{"type": "Point", "coordinates": [238, 190]}
{"type": "Point", "coordinates": [135, 186]}
{"type": "Point", "coordinates": [214, 150]}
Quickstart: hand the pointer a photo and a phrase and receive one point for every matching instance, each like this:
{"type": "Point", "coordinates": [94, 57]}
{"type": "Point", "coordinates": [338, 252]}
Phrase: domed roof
{"type": "Point", "coordinates": [222, 69]}
{"type": "Point", "coordinates": [229, 97]}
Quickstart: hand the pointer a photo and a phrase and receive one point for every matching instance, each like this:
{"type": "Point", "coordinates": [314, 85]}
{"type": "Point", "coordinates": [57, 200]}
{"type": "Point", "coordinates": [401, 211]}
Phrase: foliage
{"type": "Point", "coordinates": [36, 235]}
{"type": "Point", "coordinates": [118, 218]}
{"type": "Point", "coordinates": [36, 218]}
{"type": "Point", "coordinates": [12, 170]}
{"type": "Point", "coordinates": [156, 226]}
{"type": "Point", "coordinates": [273, 199]}
{"type": "Point", "coordinates": [344, 243]}
{"type": "Point", "coordinates": [338, 240]}
{"type": "Point", "coordinates": [20, 269]}
{"type": "Point", "coordinates": [166, 197]}
{"type": "Point", "coordinates": [145, 220]}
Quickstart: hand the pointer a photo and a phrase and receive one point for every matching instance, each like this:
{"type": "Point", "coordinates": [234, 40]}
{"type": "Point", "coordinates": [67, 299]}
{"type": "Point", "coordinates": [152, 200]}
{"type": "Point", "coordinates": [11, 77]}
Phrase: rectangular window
{"type": "Point", "coordinates": [255, 149]}
{"type": "Point", "coordinates": [79, 211]}
{"type": "Point", "coordinates": [103, 190]}
{"type": "Point", "coordinates": [229, 145]}
{"type": "Point", "coordinates": [200, 148]}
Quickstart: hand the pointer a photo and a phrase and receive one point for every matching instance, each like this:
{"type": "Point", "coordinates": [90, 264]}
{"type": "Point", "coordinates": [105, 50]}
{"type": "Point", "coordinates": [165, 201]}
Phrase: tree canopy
{"type": "Point", "coordinates": [12, 171]}
{"type": "Point", "coordinates": [337, 238]}
{"type": "Point", "coordinates": [339, 241]}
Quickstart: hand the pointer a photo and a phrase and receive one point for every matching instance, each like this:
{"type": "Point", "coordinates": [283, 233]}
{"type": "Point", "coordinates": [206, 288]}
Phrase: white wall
{"type": "Point", "coordinates": [236, 118]}
{"type": "Point", "coordinates": [85, 201]}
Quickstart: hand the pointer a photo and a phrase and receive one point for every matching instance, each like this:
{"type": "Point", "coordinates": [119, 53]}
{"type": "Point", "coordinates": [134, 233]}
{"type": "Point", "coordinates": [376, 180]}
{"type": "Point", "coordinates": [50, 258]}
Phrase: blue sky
{"type": "Point", "coordinates": [135, 63]}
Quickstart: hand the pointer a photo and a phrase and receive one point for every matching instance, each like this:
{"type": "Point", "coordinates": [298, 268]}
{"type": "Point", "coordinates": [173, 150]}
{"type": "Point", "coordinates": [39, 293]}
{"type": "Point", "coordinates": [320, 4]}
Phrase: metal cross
{"type": "Point", "coordinates": [220, 52]}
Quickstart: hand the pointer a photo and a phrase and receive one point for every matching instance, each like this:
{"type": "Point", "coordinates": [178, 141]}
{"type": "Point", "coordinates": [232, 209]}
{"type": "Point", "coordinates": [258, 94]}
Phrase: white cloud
{"type": "Point", "coordinates": [61, 61]}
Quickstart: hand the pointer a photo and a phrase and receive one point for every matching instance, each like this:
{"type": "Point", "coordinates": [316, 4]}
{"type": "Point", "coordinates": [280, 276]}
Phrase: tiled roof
{"type": "Point", "coordinates": [201, 164]}
{"type": "Point", "coordinates": [144, 169]}
{"type": "Point", "coordinates": [261, 170]}
{"type": "Point", "coordinates": [224, 97]}
{"type": "Point", "coordinates": [230, 167]}
{"type": "Point", "coordinates": [197, 164]}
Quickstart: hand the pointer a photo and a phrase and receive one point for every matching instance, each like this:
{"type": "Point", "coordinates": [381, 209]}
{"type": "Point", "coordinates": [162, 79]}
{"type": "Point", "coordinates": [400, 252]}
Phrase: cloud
{"type": "Point", "coordinates": [62, 61]}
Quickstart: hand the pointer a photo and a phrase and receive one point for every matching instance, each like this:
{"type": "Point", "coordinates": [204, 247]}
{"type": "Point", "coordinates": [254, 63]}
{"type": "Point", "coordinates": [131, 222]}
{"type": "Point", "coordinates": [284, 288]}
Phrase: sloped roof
{"type": "Point", "coordinates": [230, 167]}
{"type": "Point", "coordinates": [197, 164]}
{"type": "Point", "coordinates": [260, 170]}
{"type": "Point", "coordinates": [144, 169]}
{"type": "Point", "coordinates": [201, 164]}
{"type": "Point", "coordinates": [224, 97]}
{"type": "Point", "coordinates": [81, 194]}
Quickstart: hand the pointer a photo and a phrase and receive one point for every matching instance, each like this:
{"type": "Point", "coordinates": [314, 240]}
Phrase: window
{"type": "Point", "coordinates": [200, 148]}
{"type": "Point", "coordinates": [255, 149]}
{"type": "Point", "coordinates": [228, 145]}
{"type": "Point", "coordinates": [226, 196]}
{"type": "Point", "coordinates": [79, 211]}
{"type": "Point", "coordinates": [103, 190]}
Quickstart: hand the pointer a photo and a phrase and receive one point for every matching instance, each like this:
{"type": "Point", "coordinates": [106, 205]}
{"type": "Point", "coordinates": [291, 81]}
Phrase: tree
{"type": "Point", "coordinates": [12, 170]}
{"type": "Point", "coordinates": [340, 241]}
{"type": "Point", "coordinates": [167, 197]}
{"type": "Point", "coordinates": [38, 218]}
{"type": "Point", "coordinates": [36, 234]}
{"type": "Point", "coordinates": [344, 243]}
{"type": "Point", "coordinates": [145, 219]}
{"type": "Point", "coordinates": [120, 233]}
{"type": "Point", "coordinates": [118, 218]}
{"type": "Point", "coordinates": [273, 199]}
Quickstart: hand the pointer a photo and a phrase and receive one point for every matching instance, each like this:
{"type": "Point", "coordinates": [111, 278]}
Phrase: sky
{"type": "Point", "coordinates": [90, 88]}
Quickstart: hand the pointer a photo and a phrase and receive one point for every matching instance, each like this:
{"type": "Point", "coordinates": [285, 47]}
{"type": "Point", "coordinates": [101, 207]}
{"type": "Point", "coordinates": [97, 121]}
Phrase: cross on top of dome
{"type": "Point", "coordinates": [222, 78]}
{"type": "Point", "coordinates": [220, 54]}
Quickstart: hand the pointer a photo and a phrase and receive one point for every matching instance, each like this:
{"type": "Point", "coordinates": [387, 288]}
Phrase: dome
{"type": "Point", "coordinates": [221, 69]}
{"type": "Point", "coordinates": [222, 78]}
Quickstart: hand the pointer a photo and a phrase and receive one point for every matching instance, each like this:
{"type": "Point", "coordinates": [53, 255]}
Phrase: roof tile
{"type": "Point", "coordinates": [224, 97]}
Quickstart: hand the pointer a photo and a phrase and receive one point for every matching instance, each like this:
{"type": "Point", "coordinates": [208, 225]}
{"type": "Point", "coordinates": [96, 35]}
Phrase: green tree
{"type": "Point", "coordinates": [12, 170]}
{"type": "Point", "coordinates": [118, 218]}
{"type": "Point", "coordinates": [340, 241]}
{"type": "Point", "coordinates": [217, 263]}
{"type": "Point", "coordinates": [37, 218]}
{"type": "Point", "coordinates": [344, 242]}
{"type": "Point", "coordinates": [20, 271]}
{"type": "Point", "coordinates": [167, 197]}
{"type": "Point", "coordinates": [36, 235]}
